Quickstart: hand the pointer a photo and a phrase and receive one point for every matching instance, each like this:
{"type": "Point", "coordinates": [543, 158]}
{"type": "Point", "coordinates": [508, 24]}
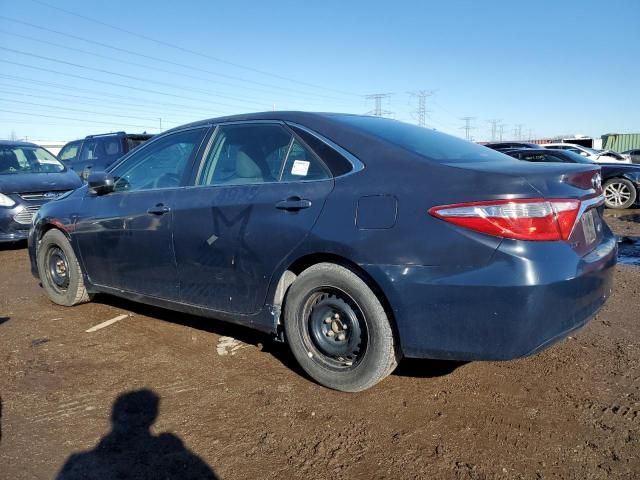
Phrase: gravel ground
{"type": "Point", "coordinates": [159, 394]}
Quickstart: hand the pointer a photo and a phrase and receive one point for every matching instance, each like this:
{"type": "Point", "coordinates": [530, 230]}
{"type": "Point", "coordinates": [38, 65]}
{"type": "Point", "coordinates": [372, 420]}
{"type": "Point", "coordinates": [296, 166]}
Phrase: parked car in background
{"type": "Point", "coordinates": [30, 176]}
{"type": "Point", "coordinates": [357, 240]}
{"type": "Point", "coordinates": [632, 155]}
{"type": "Point", "coordinates": [598, 156]}
{"type": "Point", "coordinates": [507, 145]}
{"type": "Point", "coordinates": [621, 183]}
{"type": "Point", "coordinates": [99, 151]}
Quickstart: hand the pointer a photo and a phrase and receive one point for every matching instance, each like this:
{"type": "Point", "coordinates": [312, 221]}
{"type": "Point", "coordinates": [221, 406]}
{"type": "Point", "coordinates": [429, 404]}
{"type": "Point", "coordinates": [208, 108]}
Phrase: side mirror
{"type": "Point", "coordinates": [101, 183]}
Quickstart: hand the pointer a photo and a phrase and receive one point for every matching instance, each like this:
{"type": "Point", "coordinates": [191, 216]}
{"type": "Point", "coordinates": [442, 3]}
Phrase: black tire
{"type": "Point", "coordinates": [619, 193]}
{"type": "Point", "coordinates": [361, 351]}
{"type": "Point", "coordinates": [60, 271]}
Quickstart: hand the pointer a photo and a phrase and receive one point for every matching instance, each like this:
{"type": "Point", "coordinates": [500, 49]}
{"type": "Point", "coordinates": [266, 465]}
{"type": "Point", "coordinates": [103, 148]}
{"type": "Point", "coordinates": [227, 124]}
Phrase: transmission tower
{"type": "Point", "coordinates": [517, 131]}
{"type": "Point", "coordinates": [377, 104]}
{"type": "Point", "coordinates": [501, 130]}
{"type": "Point", "coordinates": [467, 127]}
{"type": "Point", "coordinates": [421, 111]}
{"type": "Point", "coordinates": [494, 127]}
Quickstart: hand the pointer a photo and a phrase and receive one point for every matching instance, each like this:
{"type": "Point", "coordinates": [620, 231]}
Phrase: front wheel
{"type": "Point", "coordinates": [338, 330]}
{"type": "Point", "coordinates": [60, 271]}
{"type": "Point", "coordinates": [619, 193]}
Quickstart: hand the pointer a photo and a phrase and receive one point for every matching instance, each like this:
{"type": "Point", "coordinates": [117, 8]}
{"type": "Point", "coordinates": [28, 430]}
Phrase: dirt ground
{"type": "Point", "coordinates": [234, 405]}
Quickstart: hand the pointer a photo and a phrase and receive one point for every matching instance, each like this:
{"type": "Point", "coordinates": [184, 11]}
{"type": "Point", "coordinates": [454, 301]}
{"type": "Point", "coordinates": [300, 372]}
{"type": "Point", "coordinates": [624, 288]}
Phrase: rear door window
{"type": "Point", "coordinates": [69, 152]}
{"type": "Point", "coordinates": [302, 164]}
{"type": "Point", "coordinates": [246, 154]}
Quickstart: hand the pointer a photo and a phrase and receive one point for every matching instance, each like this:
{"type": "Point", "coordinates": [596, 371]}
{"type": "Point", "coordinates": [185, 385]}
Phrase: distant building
{"type": "Point", "coordinates": [620, 142]}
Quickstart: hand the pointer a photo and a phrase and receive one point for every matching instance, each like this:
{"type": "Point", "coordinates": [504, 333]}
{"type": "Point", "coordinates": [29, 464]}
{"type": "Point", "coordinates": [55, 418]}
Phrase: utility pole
{"type": "Point", "coordinates": [467, 126]}
{"type": "Point", "coordinates": [530, 135]}
{"type": "Point", "coordinates": [377, 104]}
{"type": "Point", "coordinates": [421, 111]}
{"type": "Point", "coordinates": [494, 128]}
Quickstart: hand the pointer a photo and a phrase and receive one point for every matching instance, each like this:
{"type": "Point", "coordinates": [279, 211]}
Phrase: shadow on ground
{"type": "Point", "coordinates": [19, 245]}
{"type": "Point", "coordinates": [246, 335]}
{"type": "Point", "coordinates": [131, 451]}
{"type": "Point", "coordinates": [4, 319]}
{"type": "Point", "coordinates": [423, 368]}
{"type": "Point", "coordinates": [408, 367]}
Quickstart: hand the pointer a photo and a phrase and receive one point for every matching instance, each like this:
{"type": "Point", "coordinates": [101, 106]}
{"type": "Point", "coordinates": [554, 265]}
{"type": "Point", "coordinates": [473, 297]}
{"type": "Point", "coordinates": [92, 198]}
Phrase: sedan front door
{"type": "Point", "coordinates": [125, 237]}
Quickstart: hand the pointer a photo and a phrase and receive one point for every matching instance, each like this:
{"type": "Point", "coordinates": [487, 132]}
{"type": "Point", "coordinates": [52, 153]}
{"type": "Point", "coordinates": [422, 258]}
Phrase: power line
{"type": "Point", "coordinates": [94, 112]}
{"type": "Point", "coordinates": [162, 60]}
{"type": "Point", "coordinates": [147, 90]}
{"type": "Point", "coordinates": [124, 75]}
{"type": "Point", "coordinates": [467, 127]}
{"type": "Point", "coordinates": [109, 96]}
{"type": "Point", "coordinates": [67, 98]}
{"type": "Point", "coordinates": [77, 119]}
{"type": "Point", "coordinates": [377, 104]}
{"type": "Point", "coordinates": [289, 92]}
{"type": "Point", "coordinates": [188, 50]}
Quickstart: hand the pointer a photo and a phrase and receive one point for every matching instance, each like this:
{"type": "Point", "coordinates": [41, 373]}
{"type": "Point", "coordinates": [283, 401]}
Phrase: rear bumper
{"type": "Point", "coordinates": [529, 296]}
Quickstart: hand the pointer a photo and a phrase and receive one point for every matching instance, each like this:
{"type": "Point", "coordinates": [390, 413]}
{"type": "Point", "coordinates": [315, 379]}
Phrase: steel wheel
{"type": "Point", "coordinates": [57, 269]}
{"type": "Point", "coordinates": [337, 331]}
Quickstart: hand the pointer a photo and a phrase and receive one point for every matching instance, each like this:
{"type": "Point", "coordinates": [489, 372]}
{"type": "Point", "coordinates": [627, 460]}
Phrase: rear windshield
{"type": "Point", "coordinates": [133, 142]}
{"type": "Point", "coordinates": [27, 159]}
{"type": "Point", "coordinates": [430, 144]}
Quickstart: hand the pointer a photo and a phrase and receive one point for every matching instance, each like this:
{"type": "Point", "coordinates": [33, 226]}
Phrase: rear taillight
{"type": "Point", "coordinates": [521, 219]}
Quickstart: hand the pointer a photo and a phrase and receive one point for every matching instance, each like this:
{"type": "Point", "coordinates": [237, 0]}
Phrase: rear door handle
{"type": "Point", "coordinates": [293, 204]}
{"type": "Point", "coordinates": [159, 209]}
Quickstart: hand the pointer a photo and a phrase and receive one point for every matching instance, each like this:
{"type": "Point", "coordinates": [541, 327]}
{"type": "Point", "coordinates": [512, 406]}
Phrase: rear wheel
{"type": "Point", "coordinates": [619, 193]}
{"type": "Point", "coordinates": [60, 271]}
{"type": "Point", "coordinates": [338, 330]}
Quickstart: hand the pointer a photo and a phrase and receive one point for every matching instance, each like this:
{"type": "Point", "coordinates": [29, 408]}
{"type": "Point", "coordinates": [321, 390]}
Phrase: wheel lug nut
{"type": "Point", "coordinates": [341, 337]}
{"type": "Point", "coordinates": [336, 315]}
{"type": "Point", "coordinates": [330, 333]}
{"type": "Point", "coordinates": [327, 320]}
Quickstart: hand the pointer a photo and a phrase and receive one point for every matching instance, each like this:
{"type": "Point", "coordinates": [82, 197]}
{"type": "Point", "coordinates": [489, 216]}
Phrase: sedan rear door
{"type": "Point", "coordinates": [258, 193]}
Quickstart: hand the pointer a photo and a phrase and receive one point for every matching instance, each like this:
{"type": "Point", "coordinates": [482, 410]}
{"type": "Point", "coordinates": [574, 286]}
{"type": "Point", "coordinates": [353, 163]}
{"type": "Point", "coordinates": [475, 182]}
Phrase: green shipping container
{"type": "Point", "coordinates": [620, 142]}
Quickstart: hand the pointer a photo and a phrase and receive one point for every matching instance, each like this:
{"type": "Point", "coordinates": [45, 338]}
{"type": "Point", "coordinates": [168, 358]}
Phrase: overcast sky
{"type": "Point", "coordinates": [554, 67]}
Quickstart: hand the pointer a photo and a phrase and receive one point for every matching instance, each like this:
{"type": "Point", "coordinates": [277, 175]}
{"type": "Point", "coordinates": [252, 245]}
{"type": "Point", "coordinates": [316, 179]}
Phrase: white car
{"type": "Point", "coordinates": [600, 156]}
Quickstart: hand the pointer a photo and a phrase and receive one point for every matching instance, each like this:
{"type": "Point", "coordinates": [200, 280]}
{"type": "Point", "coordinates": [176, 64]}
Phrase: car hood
{"type": "Point", "coordinates": [39, 182]}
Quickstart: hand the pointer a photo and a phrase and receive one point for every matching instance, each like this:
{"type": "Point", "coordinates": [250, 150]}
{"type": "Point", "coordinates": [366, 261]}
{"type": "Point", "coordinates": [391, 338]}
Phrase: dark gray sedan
{"type": "Point", "coordinates": [30, 176]}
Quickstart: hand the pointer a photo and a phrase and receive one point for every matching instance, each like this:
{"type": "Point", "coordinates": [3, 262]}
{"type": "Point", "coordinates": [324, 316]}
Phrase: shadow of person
{"type": "Point", "coordinates": [131, 451]}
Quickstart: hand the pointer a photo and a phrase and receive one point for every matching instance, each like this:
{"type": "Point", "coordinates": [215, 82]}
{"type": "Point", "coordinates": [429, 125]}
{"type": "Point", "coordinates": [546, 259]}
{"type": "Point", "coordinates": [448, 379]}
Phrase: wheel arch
{"type": "Point", "coordinates": [297, 266]}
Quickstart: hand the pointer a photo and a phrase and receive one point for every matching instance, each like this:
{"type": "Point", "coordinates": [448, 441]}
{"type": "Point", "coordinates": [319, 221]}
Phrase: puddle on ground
{"type": "Point", "coordinates": [629, 250]}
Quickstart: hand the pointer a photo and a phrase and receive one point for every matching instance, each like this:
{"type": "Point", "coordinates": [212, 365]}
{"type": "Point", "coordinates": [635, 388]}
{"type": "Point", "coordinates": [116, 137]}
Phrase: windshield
{"type": "Point", "coordinates": [430, 144]}
{"type": "Point", "coordinates": [27, 159]}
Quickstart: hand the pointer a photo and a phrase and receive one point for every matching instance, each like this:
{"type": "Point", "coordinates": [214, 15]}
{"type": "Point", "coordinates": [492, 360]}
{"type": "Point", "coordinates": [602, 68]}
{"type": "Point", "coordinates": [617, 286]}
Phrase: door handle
{"type": "Point", "coordinates": [293, 204]}
{"type": "Point", "coordinates": [159, 209]}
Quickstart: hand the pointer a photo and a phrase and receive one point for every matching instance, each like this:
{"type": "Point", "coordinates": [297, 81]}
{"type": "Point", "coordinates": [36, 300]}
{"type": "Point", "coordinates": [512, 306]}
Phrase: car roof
{"type": "Point", "coordinates": [17, 143]}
